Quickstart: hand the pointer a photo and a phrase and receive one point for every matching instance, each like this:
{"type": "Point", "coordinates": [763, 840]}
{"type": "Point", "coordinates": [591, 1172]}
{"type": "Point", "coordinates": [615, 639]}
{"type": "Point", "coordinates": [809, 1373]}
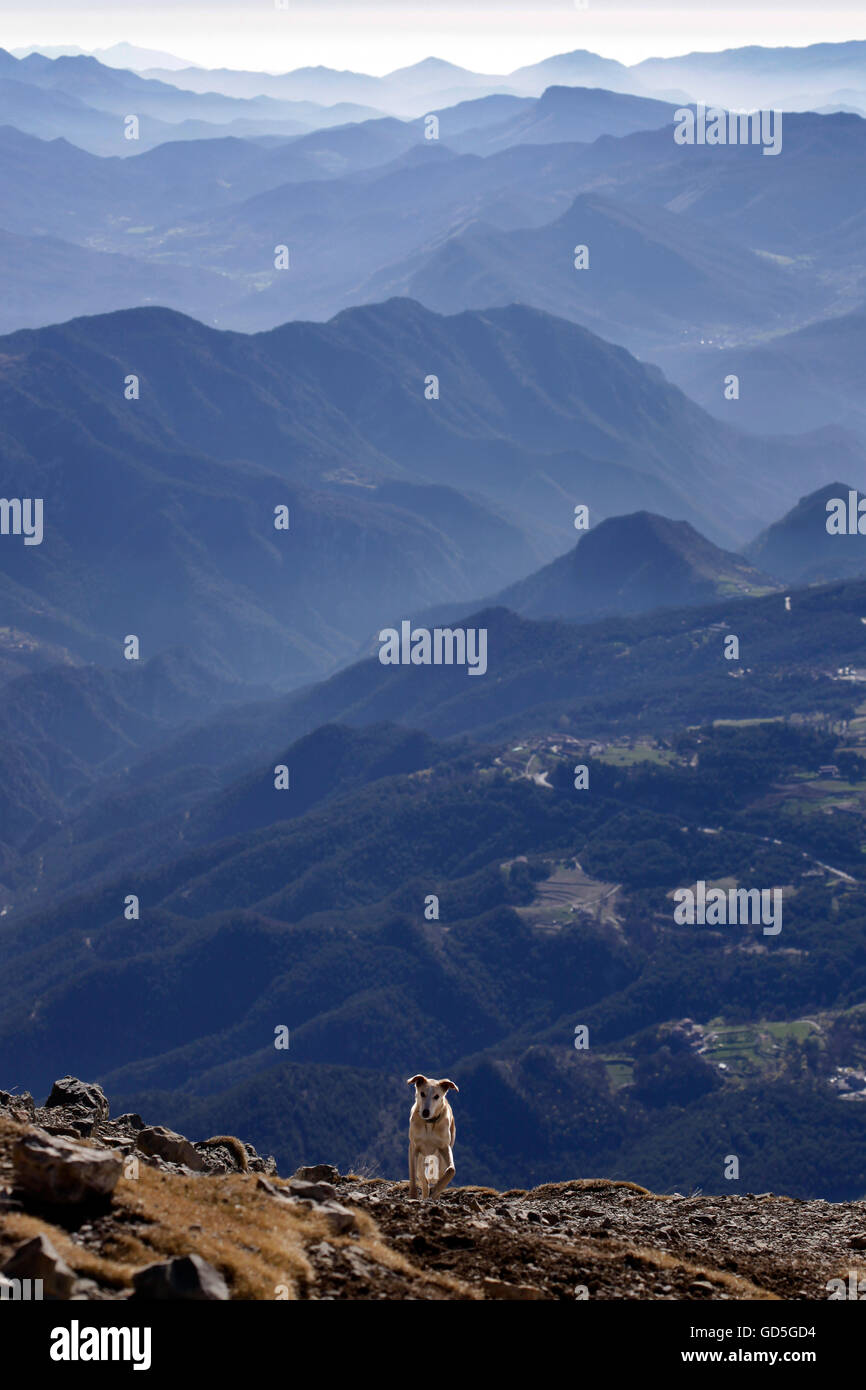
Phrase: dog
{"type": "Point", "coordinates": [431, 1134]}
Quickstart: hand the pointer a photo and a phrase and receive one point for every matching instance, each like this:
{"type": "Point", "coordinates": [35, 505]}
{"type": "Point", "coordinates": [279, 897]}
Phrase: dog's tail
{"type": "Point", "coordinates": [234, 1145]}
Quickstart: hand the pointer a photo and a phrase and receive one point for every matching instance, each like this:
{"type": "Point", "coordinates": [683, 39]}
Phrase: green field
{"type": "Point", "coordinates": [643, 753]}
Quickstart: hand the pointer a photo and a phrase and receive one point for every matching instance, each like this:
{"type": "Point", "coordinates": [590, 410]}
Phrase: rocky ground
{"type": "Point", "coordinates": [102, 1208]}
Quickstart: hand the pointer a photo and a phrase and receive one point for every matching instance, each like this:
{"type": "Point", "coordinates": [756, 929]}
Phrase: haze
{"type": "Point", "coordinates": [487, 35]}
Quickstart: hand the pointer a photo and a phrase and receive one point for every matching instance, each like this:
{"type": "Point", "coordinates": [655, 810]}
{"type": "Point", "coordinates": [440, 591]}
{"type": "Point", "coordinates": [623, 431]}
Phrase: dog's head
{"type": "Point", "coordinates": [430, 1096]}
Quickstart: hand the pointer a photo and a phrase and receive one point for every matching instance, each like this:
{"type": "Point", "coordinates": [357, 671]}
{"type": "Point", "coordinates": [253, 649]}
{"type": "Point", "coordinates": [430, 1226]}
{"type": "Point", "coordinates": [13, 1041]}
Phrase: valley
{"type": "Point", "coordinates": [321, 392]}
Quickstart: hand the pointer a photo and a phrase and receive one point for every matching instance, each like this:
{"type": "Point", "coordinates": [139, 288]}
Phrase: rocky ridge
{"type": "Point", "coordinates": [102, 1208]}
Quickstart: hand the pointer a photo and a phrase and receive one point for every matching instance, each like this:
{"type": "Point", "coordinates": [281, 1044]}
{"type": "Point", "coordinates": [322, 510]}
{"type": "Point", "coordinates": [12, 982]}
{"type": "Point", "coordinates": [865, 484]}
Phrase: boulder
{"type": "Point", "coordinates": [339, 1218]}
{"type": "Point", "coordinates": [318, 1172]}
{"type": "Point", "coordinates": [158, 1142]}
{"type": "Point", "coordinates": [272, 1190]}
{"type": "Point", "coordinates": [79, 1095]}
{"type": "Point", "coordinates": [313, 1191]}
{"type": "Point", "coordinates": [39, 1259]}
{"type": "Point", "coordinates": [315, 1197]}
{"type": "Point", "coordinates": [57, 1170]}
{"type": "Point", "coordinates": [187, 1277]}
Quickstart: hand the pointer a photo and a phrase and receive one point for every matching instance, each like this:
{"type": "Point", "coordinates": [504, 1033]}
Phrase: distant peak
{"type": "Point", "coordinates": [436, 66]}
{"type": "Point", "coordinates": [431, 64]}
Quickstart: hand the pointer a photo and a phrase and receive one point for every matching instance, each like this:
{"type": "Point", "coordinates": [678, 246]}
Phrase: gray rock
{"type": "Point", "coordinates": [39, 1259]}
{"type": "Point", "coordinates": [318, 1172]}
{"type": "Point", "coordinates": [272, 1190]}
{"type": "Point", "coordinates": [79, 1095]}
{"type": "Point", "coordinates": [310, 1195]}
{"type": "Point", "coordinates": [313, 1191]}
{"type": "Point", "coordinates": [339, 1218]}
{"type": "Point", "coordinates": [58, 1170]}
{"type": "Point", "coordinates": [158, 1142]}
{"type": "Point", "coordinates": [188, 1277]}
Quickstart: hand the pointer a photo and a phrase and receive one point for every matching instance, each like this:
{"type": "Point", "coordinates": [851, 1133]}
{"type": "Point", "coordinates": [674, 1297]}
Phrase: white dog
{"type": "Point", "coordinates": [431, 1134]}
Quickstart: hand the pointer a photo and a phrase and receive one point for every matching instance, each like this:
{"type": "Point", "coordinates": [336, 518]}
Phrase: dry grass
{"type": "Point", "coordinates": [735, 1284]}
{"type": "Point", "coordinates": [257, 1242]}
{"type": "Point", "coordinates": [559, 1189]}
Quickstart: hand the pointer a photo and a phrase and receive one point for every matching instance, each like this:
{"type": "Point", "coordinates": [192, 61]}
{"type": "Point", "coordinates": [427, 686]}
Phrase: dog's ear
{"type": "Point", "coordinates": [415, 1080]}
{"type": "Point", "coordinates": [448, 1085]}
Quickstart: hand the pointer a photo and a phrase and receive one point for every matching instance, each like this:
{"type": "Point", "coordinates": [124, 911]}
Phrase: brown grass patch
{"type": "Point", "coordinates": [256, 1242]}
{"type": "Point", "coordinates": [559, 1189]}
{"type": "Point", "coordinates": [736, 1285]}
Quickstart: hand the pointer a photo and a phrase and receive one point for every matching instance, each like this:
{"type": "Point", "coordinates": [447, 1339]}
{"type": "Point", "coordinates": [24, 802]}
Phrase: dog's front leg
{"type": "Point", "coordinates": [446, 1170]}
{"type": "Point", "coordinates": [413, 1170]}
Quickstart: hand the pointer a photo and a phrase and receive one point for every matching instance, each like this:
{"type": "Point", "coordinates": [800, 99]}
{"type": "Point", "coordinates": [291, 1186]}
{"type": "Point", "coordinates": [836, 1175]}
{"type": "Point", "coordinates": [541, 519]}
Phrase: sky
{"type": "Point", "coordinates": [492, 36]}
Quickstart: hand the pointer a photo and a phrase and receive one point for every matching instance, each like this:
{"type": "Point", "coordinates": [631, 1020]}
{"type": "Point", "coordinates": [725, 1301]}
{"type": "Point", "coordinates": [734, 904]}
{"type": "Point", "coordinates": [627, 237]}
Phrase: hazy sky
{"type": "Point", "coordinates": [487, 35]}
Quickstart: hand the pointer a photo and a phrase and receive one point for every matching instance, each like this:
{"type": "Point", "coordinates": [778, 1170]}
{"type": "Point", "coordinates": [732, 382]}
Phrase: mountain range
{"type": "Point", "coordinates": [321, 354]}
{"type": "Point", "coordinates": [161, 509]}
{"type": "Point", "coordinates": [686, 246]}
{"type": "Point", "coordinates": [819, 76]}
{"type": "Point", "coordinates": [304, 907]}
{"type": "Point", "coordinates": [630, 564]}
{"type": "Point", "coordinates": [626, 565]}
{"type": "Point", "coordinates": [791, 77]}
{"type": "Point", "coordinates": [88, 102]}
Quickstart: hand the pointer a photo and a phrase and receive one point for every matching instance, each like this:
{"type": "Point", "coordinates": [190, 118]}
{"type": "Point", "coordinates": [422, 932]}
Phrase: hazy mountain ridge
{"type": "Point", "coordinates": [96, 99]}
{"type": "Point", "coordinates": [317, 418]}
{"type": "Point", "coordinates": [799, 380]}
{"type": "Point", "coordinates": [799, 546]}
{"type": "Point", "coordinates": [744, 243]}
{"type": "Point", "coordinates": [630, 564]}
{"type": "Point", "coordinates": [746, 76]}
